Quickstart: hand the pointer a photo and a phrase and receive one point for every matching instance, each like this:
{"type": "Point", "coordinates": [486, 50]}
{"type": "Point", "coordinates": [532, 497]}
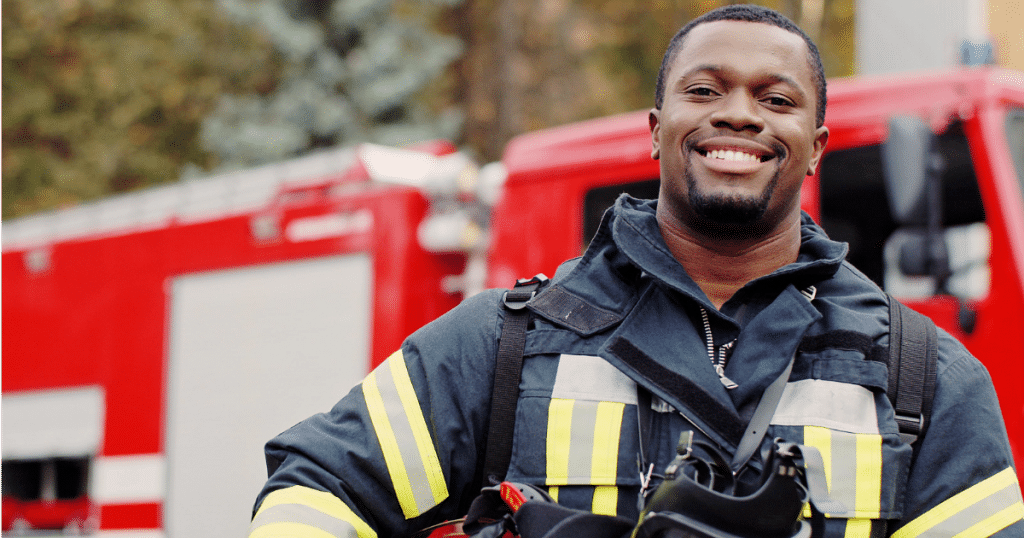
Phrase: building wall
{"type": "Point", "coordinates": [924, 35]}
{"type": "Point", "coordinates": [1006, 25]}
{"type": "Point", "coordinates": [909, 35]}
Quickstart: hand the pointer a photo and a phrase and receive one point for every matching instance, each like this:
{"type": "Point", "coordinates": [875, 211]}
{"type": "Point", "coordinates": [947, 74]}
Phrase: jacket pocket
{"type": "Point", "coordinates": [842, 411]}
{"type": "Point", "coordinates": [578, 434]}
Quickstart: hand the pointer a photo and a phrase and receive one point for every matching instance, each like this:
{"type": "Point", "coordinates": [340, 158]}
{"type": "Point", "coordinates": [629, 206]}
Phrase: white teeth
{"type": "Point", "coordinates": [731, 155]}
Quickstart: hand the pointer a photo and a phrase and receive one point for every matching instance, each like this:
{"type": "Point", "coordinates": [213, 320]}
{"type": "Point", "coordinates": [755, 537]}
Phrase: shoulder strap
{"type": "Point", "coordinates": [913, 358]}
{"type": "Point", "coordinates": [507, 371]}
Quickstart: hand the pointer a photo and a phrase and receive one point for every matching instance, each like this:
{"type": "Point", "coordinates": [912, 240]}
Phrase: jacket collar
{"type": "Point", "coordinates": [636, 232]}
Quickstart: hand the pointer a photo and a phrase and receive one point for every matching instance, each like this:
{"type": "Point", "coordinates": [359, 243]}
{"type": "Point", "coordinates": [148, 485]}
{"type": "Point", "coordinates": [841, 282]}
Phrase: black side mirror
{"type": "Point", "coordinates": [913, 166]}
{"type": "Point", "coordinates": [915, 255]}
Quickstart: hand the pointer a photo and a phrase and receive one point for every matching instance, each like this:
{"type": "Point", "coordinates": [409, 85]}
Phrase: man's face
{"type": "Point", "coordinates": [736, 131]}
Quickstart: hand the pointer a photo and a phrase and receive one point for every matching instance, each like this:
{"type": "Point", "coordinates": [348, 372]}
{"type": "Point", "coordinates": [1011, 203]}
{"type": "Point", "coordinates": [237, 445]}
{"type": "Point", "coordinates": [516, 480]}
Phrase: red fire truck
{"type": "Point", "coordinates": [153, 341]}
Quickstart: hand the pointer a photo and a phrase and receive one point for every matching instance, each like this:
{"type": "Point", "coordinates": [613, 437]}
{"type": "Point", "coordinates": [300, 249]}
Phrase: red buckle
{"type": "Point", "coordinates": [512, 496]}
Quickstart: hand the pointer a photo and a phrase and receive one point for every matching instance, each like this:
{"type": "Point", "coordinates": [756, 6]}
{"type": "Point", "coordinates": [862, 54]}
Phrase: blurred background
{"type": "Point", "coordinates": [211, 229]}
{"type": "Point", "coordinates": [108, 96]}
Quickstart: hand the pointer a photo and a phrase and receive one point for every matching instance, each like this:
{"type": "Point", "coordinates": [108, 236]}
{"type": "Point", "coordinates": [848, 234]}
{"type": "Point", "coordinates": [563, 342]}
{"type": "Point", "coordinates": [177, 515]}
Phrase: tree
{"type": "Point", "coordinates": [105, 96]}
{"type": "Point", "coordinates": [355, 70]}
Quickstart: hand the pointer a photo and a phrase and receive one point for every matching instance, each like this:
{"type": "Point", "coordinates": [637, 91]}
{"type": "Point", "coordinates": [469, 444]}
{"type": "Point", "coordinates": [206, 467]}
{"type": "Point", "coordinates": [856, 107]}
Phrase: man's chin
{"type": "Point", "coordinates": [731, 212]}
{"type": "Point", "coordinates": [730, 218]}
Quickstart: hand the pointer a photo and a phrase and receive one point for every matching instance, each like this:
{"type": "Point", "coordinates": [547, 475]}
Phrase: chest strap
{"type": "Point", "coordinates": [507, 372]}
{"type": "Point", "coordinates": [913, 359]}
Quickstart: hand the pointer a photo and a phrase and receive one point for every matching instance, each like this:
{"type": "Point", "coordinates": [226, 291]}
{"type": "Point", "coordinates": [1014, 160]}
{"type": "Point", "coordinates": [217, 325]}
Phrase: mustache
{"type": "Point", "coordinates": [691, 143]}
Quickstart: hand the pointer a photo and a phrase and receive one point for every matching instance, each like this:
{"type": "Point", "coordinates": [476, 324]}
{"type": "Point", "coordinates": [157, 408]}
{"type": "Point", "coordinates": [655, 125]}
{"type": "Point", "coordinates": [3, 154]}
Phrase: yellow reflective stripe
{"type": "Point", "coordinates": [421, 434]}
{"type": "Point", "coordinates": [321, 502]}
{"type": "Point", "coordinates": [553, 491]}
{"type": "Point", "coordinates": [858, 528]}
{"type": "Point", "coordinates": [389, 445]}
{"type": "Point", "coordinates": [606, 500]}
{"type": "Point", "coordinates": [403, 436]}
{"type": "Point", "coordinates": [290, 530]}
{"type": "Point", "coordinates": [559, 440]}
{"type": "Point", "coordinates": [996, 522]}
{"type": "Point", "coordinates": [853, 469]}
{"type": "Point", "coordinates": [1001, 488]}
{"type": "Point", "coordinates": [605, 459]}
{"type": "Point", "coordinates": [869, 476]}
{"type": "Point", "coordinates": [820, 438]}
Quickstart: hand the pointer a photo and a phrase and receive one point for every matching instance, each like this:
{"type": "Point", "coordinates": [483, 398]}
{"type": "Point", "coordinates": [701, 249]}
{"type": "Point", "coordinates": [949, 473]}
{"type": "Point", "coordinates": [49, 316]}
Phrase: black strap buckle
{"type": "Point", "coordinates": [910, 426]}
{"type": "Point", "coordinates": [524, 290]}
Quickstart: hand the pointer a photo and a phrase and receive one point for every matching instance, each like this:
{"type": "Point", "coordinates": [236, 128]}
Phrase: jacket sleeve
{"type": "Point", "coordinates": [403, 450]}
{"type": "Point", "coordinates": [962, 482]}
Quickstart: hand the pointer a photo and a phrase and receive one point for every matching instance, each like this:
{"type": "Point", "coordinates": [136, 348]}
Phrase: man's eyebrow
{"type": "Point", "coordinates": [772, 78]}
{"type": "Point", "coordinates": [778, 78]}
{"type": "Point", "coordinates": [703, 68]}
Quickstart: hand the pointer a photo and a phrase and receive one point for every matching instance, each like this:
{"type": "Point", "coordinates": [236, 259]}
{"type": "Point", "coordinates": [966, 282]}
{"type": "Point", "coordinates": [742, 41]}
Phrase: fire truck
{"type": "Point", "coordinates": [153, 341]}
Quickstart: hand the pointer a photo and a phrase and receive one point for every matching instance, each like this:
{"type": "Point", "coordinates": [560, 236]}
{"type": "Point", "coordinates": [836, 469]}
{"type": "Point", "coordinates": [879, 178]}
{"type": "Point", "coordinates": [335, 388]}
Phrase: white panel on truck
{"type": "Point", "coordinates": [252, 352]}
{"type": "Point", "coordinates": [52, 423]}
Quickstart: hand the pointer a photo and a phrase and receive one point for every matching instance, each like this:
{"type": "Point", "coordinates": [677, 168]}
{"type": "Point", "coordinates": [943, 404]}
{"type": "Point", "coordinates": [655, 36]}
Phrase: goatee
{"type": "Point", "coordinates": [730, 216]}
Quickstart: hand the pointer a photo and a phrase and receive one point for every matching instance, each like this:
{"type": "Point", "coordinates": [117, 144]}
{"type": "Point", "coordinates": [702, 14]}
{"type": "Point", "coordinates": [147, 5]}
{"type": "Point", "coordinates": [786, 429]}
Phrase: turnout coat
{"type": "Point", "coordinates": [405, 448]}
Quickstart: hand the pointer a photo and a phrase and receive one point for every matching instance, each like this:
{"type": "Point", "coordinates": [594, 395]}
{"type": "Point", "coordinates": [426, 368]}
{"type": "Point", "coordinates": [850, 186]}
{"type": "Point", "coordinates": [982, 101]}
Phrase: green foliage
{"type": "Point", "coordinates": [356, 70]}
{"type": "Point", "coordinates": [104, 96]}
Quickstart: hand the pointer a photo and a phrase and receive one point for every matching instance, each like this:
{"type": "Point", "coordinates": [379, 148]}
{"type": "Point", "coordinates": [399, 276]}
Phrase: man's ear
{"type": "Point", "coordinates": [653, 118]}
{"type": "Point", "coordinates": [820, 141]}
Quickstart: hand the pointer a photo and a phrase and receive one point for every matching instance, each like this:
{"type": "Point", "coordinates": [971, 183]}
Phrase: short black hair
{"type": "Point", "coordinates": [747, 13]}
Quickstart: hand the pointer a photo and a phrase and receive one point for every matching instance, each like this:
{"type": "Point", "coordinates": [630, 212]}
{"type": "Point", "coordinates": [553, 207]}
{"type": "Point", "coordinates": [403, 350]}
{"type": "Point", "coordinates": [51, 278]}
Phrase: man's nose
{"type": "Point", "coordinates": [739, 112]}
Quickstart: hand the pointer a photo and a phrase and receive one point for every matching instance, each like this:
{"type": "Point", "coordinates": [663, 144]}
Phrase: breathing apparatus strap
{"type": "Point", "coordinates": [913, 355]}
{"type": "Point", "coordinates": [507, 371]}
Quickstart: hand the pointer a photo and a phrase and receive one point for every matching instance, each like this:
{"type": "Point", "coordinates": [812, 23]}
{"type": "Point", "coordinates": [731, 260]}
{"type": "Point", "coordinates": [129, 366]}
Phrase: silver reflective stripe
{"type": "Point", "coordinates": [583, 442]}
{"type": "Point", "coordinates": [402, 427]}
{"type": "Point", "coordinates": [981, 510]}
{"type": "Point", "coordinates": [844, 469]}
{"type": "Point", "coordinates": [585, 377]}
{"type": "Point", "coordinates": [581, 450]}
{"type": "Point", "coordinates": [297, 513]}
{"type": "Point", "coordinates": [978, 514]}
{"type": "Point", "coordinates": [829, 404]}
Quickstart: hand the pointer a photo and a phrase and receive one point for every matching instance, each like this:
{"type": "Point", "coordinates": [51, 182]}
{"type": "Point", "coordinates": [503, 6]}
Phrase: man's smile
{"type": "Point", "coordinates": [732, 156]}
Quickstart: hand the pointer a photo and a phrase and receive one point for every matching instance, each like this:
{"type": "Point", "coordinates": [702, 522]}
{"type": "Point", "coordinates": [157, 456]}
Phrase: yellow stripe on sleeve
{"type": "Point", "coordinates": [290, 530]}
{"type": "Point", "coordinates": [389, 445]}
{"type": "Point", "coordinates": [297, 501]}
{"type": "Point", "coordinates": [996, 522]}
{"type": "Point", "coordinates": [1002, 488]}
{"type": "Point", "coordinates": [431, 463]}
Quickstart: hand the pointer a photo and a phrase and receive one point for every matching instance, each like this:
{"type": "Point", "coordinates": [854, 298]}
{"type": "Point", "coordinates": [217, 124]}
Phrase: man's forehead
{"type": "Point", "coordinates": [784, 47]}
{"type": "Point", "coordinates": [734, 32]}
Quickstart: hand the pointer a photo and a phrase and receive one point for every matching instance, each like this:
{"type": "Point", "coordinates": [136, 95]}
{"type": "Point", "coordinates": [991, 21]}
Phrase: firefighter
{"type": "Point", "coordinates": [698, 300]}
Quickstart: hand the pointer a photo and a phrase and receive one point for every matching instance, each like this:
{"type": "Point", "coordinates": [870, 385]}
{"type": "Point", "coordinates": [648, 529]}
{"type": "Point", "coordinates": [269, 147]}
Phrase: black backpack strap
{"type": "Point", "coordinates": [507, 371]}
{"type": "Point", "coordinates": [913, 359]}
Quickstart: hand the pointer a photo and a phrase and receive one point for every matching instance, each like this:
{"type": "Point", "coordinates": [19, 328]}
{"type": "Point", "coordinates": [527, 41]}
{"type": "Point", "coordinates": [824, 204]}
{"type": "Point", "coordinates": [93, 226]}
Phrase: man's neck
{"type": "Point", "coordinates": [720, 267]}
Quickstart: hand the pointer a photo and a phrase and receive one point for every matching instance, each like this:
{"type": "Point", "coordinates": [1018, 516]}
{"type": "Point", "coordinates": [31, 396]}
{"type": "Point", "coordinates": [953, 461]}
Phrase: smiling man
{"type": "Point", "coordinates": [738, 124]}
{"type": "Point", "coordinates": [718, 311]}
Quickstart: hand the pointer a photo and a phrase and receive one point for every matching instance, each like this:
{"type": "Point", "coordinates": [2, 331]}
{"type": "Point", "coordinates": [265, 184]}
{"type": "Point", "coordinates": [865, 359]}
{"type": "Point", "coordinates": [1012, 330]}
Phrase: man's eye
{"type": "Point", "coordinates": [778, 101]}
{"type": "Point", "coordinates": [702, 91]}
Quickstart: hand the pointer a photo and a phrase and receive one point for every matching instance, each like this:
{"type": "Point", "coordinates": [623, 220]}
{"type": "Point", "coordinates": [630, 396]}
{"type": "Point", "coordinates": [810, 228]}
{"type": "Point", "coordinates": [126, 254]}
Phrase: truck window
{"type": "Point", "coordinates": [598, 200]}
{"type": "Point", "coordinates": [854, 209]}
